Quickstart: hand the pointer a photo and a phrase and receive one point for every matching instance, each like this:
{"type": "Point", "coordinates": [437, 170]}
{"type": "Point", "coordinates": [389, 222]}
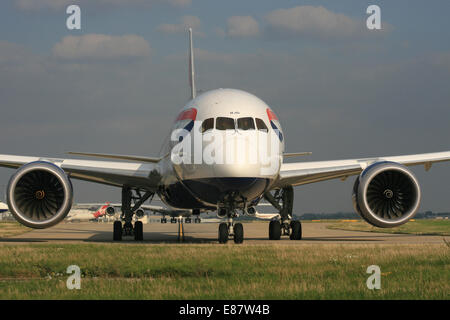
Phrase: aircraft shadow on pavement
{"type": "Point", "coordinates": [106, 237]}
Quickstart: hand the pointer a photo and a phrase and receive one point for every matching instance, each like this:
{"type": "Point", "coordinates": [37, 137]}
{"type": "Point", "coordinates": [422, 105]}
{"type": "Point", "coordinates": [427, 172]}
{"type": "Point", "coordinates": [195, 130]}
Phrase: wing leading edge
{"type": "Point", "coordinates": [299, 173]}
{"type": "Point", "coordinates": [114, 173]}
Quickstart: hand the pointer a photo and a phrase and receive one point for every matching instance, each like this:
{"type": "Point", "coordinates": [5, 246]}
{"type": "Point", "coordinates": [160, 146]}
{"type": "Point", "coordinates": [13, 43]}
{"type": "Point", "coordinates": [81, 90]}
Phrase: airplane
{"type": "Point", "coordinates": [173, 213]}
{"type": "Point", "coordinates": [110, 210]}
{"type": "Point", "coordinates": [3, 207]}
{"type": "Point", "coordinates": [82, 214]}
{"type": "Point", "coordinates": [385, 193]}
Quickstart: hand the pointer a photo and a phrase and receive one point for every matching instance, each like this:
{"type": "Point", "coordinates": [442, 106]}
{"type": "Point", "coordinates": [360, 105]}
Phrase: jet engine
{"type": "Point", "coordinates": [222, 213]}
{"type": "Point", "coordinates": [39, 194]}
{"type": "Point", "coordinates": [110, 211]}
{"type": "Point", "coordinates": [251, 211]}
{"type": "Point", "coordinates": [139, 213]}
{"type": "Point", "coordinates": [386, 194]}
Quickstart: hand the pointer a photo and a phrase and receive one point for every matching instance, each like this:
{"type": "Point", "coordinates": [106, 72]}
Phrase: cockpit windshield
{"type": "Point", "coordinates": [261, 125]}
{"type": "Point", "coordinates": [207, 124]}
{"type": "Point", "coordinates": [223, 123]}
{"type": "Point", "coordinates": [246, 123]}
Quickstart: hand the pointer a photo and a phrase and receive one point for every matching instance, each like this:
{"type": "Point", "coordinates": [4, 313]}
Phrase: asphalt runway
{"type": "Point", "coordinates": [255, 233]}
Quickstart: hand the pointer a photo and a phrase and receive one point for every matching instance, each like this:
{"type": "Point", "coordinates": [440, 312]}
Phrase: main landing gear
{"type": "Point", "coordinates": [137, 231]}
{"type": "Point", "coordinates": [277, 229]}
{"type": "Point", "coordinates": [125, 226]}
{"type": "Point", "coordinates": [283, 201]}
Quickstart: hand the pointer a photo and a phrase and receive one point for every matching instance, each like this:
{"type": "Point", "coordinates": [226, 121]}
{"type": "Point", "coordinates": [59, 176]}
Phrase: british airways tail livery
{"type": "Point", "coordinates": [225, 154]}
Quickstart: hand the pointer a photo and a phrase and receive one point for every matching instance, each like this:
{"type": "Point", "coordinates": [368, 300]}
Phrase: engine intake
{"type": "Point", "coordinates": [222, 213]}
{"type": "Point", "coordinates": [110, 211]}
{"type": "Point", "coordinates": [39, 194]}
{"type": "Point", "coordinates": [139, 213]}
{"type": "Point", "coordinates": [251, 211]}
{"type": "Point", "coordinates": [386, 194]}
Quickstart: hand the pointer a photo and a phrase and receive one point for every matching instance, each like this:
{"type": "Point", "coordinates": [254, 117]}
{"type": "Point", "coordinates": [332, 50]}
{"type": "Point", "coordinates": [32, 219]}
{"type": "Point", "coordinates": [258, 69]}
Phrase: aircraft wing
{"type": "Point", "coordinates": [115, 173]}
{"type": "Point", "coordinates": [299, 173]}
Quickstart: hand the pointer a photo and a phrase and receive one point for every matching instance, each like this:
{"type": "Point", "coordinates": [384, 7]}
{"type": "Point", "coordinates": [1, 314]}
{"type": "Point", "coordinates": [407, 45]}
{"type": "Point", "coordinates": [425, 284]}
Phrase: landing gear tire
{"type": "Point", "coordinates": [223, 233]}
{"type": "Point", "coordinates": [296, 230]}
{"type": "Point", "coordinates": [274, 230]}
{"type": "Point", "coordinates": [238, 232]}
{"type": "Point", "coordinates": [173, 220]}
{"type": "Point", "coordinates": [138, 231]}
{"type": "Point", "coordinates": [187, 220]}
{"type": "Point", "coordinates": [197, 220]}
{"type": "Point", "coordinates": [117, 231]}
{"type": "Point", "coordinates": [163, 220]}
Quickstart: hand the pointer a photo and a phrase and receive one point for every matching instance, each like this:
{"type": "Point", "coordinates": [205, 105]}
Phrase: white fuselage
{"type": "Point", "coordinates": [226, 145]}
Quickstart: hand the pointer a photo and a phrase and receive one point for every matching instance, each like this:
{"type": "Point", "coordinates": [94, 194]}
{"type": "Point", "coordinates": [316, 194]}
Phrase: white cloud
{"type": "Point", "coordinates": [242, 26]}
{"type": "Point", "coordinates": [313, 21]}
{"type": "Point", "coordinates": [62, 4]}
{"type": "Point", "coordinates": [100, 46]}
{"type": "Point", "coordinates": [185, 23]}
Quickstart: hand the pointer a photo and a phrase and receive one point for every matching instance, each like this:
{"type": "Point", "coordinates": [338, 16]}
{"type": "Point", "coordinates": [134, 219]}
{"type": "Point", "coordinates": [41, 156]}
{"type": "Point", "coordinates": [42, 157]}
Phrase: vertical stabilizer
{"type": "Point", "coordinates": [191, 66]}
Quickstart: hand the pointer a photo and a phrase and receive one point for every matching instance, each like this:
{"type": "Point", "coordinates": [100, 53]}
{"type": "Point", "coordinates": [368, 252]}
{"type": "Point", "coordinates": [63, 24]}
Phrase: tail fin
{"type": "Point", "coordinates": [191, 66]}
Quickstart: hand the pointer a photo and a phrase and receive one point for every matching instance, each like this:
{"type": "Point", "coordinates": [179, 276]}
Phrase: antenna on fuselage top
{"type": "Point", "coordinates": [191, 66]}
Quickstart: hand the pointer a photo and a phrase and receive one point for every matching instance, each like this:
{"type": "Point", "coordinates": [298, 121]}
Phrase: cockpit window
{"type": "Point", "coordinates": [246, 123]}
{"type": "Point", "coordinates": [223, 123]}
{"type": "Point", "coordinates": [261, 125]}
{"type": "Point", "coordinates": [207, 124]}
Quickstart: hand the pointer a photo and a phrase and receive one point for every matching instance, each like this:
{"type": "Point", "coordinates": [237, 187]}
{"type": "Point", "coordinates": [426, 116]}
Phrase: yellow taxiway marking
{"type": "Point", "coordinates": [180, 230]}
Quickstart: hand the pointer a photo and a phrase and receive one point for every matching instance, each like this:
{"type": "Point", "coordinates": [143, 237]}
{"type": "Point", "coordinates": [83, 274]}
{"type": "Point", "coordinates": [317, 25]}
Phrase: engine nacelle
{"type": "Point", "coordinates": [39, 194]}
{"type": "Point", "coordinates": [251, 211]}
{"type": "Point", "coordinates": [139, 213]}
{"type": "Point", "coordinates": [110, 211]}
{"type": "Point", "coordinates": [222, 213]}
{"type": "Point", "coordinates": [386, 194]}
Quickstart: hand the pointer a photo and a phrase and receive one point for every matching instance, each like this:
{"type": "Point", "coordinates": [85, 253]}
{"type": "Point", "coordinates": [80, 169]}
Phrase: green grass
{"type": "Point", "coordinates": [210, 271]}
{"type": "Point", "coordinates": [418, 227]}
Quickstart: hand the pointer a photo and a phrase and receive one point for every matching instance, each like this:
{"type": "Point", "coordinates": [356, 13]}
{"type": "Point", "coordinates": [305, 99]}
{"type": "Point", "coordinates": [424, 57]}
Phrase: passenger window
{"type": "Point", "coordinates": [224, 123]}
{"type": "Point", "coordinates": [261, 125]}
{"type": "Point", "coordinates": [207, 124]}
{"type": "Point", "coordinates": [246, 124]}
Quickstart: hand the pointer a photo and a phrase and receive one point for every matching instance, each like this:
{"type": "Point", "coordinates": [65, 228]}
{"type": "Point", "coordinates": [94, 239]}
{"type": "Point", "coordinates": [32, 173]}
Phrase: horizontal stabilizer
{"type": "Point", "coordinates": [116, 156]}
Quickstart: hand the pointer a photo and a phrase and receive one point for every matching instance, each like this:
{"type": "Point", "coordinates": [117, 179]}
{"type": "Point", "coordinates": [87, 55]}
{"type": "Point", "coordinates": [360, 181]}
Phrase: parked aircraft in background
{"type": "Point", "coordinates": [83, 212]}
{"type": "Point", "coordinates": [3, 207]}
{"type": "Point", "coordinates": [386, 193]}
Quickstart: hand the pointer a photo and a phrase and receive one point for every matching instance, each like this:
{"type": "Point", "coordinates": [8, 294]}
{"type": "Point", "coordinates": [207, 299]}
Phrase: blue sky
{"type": "Point", "coordinates": [340, 91]}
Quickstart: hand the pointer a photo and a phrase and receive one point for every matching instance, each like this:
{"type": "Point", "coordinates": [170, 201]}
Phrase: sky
{"type": "Point", "coordinates": [340, 90]}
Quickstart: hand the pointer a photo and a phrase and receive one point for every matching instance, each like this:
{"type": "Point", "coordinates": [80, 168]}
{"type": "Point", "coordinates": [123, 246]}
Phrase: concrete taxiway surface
{"type": "Point", "coordinates": [256, 233]}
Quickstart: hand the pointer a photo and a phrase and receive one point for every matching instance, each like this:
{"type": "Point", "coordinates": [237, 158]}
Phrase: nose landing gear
{"type": "Point", "coordinates": [231, 229]}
